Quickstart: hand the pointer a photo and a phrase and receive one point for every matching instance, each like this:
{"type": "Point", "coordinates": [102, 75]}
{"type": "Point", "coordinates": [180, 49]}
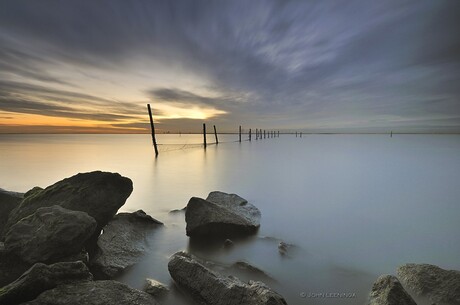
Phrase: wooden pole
{"type": "Point", "coordinates": [264, 133]}
{"type": "Point", "coordinates": [249, 134]}
{"type": "Point", "coordinates": [204, 134]}
{"type": "Point", "coordinates": [257, 134]}
{"type": "Point", "coordinates": [240, 133]}
{"type": "Point", "coordinates": [152, 127]}
{"type": "Point", "coordinates": [215, 133]}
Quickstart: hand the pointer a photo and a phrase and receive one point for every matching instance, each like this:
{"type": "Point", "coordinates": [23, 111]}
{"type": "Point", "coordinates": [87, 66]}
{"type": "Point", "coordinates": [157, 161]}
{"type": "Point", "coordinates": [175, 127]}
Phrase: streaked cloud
{"type": "Point", "coordinates": [313, 65]}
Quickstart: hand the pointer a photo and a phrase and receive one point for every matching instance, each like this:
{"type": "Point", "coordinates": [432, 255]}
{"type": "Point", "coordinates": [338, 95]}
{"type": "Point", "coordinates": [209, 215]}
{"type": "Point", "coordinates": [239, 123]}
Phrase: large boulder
{"type": "Point", "coordinates": [8, 201]}
{"type": "Point", "coordinates": [100, 194]}
{"type": "Point", "coordinates": [208, 287]}
{"type": "Point", "coordinates": [49, 234]}
{"type": "Point", "coordinates": [93, 293]}
{"type": "Point", "coordinates": [222, 215]}
{"type": "Point", "coordinates": [41, 277]}
{"type": "Point", "coordinates": [387, 290]}
{"type": "Point", "coordinates": [11, 266]}
{"type": "Point", "coordinates": [123, 243]}
{"type": "Point", "coordinates": [437, 284]}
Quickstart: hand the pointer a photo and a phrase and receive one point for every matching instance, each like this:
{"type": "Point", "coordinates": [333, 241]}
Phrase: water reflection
{"type": "Point", "coordinates": [355, 206]}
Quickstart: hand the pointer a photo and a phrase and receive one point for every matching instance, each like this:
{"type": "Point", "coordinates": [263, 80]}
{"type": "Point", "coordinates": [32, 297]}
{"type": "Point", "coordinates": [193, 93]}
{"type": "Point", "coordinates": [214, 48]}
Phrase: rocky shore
{"type": "Point", "coordinates": [66, 243]}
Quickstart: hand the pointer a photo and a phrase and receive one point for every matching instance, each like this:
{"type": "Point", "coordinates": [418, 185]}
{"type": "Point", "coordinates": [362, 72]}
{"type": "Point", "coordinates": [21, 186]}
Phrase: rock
{"type": "Point", "coordinates": [32, 191]}
{"type": "Point", "coordinates": [49, 234]}
{"type": "Point", "coordinates": [100, 194]}
{"type": "Point", "coordinates": [41, 277]}
{"type": "Point", "coordinates": [252, 271]}
{"type": "Point", "coordinates": [208, 287]}
{"type": "Point", "coordinates": [283, 248]}
{"type": "Point", "coordinates": [93, 293]}
{"type": "Point", "coordinates": [387, 290]}
{"type": "Point", "coordinates": [222, 215]}
{"type": "Point", "coordinates": [176, 211]}
{"type": "Point", "coordinates": [228, 243]}
{"type": "Point", "coordinates": [8, 201]}
{"type": "Point", "coordinates": [155, 288]}
{"type": "Point", "coordinates": [11, 266]}
{"type": "Point", "coordinates": [122, 244]}
{"type": "Point", "coordinates": [437, 284]}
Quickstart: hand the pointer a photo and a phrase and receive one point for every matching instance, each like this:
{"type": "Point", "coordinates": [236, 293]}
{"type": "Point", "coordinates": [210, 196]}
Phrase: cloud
{"type": "Point", "coordinates": [303, 64]}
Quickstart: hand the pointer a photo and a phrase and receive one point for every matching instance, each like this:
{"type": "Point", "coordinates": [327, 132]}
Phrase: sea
{"type": "Point", "coordinates": [351, 206]}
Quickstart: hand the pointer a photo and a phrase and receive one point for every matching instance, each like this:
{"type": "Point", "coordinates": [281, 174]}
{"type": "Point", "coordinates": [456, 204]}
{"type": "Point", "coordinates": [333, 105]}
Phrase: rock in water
{"type": "Point", "coordinates": [100, 194]}
{"type": "Point", "coordinates": [208, 287]}
{"type": "Point", "coordinates": [41, 277]}
{"type": "Point", "coordinates": [93, 293]}
{"type": "Point", "coordinates": [155, 288]}
{"type": "Point", "coordinates": [439, 285]}
{"type": "Point", "coordinates": [49, 234]}
{"type": "Point", "coordinates": [123, 243]}
{"type": "Point", "coordinates": [222, 215]}
{"type": "Point", "coordinates": [8, 201]}
{"type": "Point", "coordinates": [387, 290]}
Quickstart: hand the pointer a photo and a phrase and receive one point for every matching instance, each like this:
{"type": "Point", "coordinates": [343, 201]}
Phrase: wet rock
{"type": "Point", "coordinates": [100, 194]}
{"type": "Point", "coordinates": [222, 215]}
{"type": "Point", "coordinates": [228, 243]}
{"type": "Point", "coordinates": [8, 201]}
{"type": "Point", "coordinates": [437, 284]}
{"type": "Point", "coordinates": [93, 293]}
{"type": "Point", "coordinates": [283, 248]}
{"type": "Point", "coordinates": [123, 243]}
{"type": "Point", "coordinates": [176, 211]}
{"type": "Point", "coordinates": [208, 287]}
{"type": "Point", "coordinates": [251, 271]}
{"type": "Point", "coordinates": [387, 290]}
{"type": "Point", "coordinates": [41, 277]}
{"type": "Point", "coordinates": [49, 234]}
{"type": "Point", "coordinates": [155, 288]}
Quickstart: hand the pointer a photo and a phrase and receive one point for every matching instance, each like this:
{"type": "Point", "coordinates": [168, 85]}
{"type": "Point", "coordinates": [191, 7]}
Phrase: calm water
{"type": "Point", "coordinates": [354, 206]}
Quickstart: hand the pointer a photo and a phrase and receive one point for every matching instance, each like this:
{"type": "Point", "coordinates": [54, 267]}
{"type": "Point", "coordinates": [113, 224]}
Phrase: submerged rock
{"type": "Point", "coordinates": [123, 243]}
{"type": "Point", "coordinates": [100, 194]}
{"type": "Point", "coordinates": [250, 270]}
{"type": "Point", "coordinates": [438, 284]}
{"type": "Point", "coordinates": [41, 277]}
{"type": "Point", "coordinates": [155, 288]}
{"type": "Point", "coordinates": [221, 214]}
{"type": "Point", "coordinates": [49, 234]}
{"type": "Point", "coordinates": [8, 201]}
{"type": "Point", "coordinates": [93, 293]}
{"type": "Point", "coordinates": [387, 290]}
{"type": "Point", "coordinates": [208, 287]}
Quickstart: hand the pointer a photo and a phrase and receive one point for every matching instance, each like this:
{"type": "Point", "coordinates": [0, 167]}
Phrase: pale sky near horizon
{"type": "Point", "coordinates": [92, 66]}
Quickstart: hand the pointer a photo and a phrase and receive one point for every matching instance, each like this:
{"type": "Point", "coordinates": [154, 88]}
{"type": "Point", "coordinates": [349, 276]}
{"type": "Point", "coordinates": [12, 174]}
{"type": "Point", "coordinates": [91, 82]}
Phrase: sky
{"type": "Point", "coordinates": [321, 66]}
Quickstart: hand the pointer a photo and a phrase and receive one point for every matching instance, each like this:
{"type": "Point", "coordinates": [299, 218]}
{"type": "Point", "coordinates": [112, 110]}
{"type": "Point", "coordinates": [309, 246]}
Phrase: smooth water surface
{"type": "Point", "coordinates": [353, 206]}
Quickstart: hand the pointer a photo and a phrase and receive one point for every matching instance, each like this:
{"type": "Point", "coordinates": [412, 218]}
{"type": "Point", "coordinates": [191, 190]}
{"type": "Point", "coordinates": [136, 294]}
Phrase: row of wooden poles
{"type": "Point", "coordinates": [260, 134]}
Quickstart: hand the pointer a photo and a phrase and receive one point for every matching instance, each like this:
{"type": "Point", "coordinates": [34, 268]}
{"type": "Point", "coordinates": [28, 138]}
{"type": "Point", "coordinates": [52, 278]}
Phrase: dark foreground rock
{"type": "Point", "coordinates": [221, 214]}
{"type": "Point", "coordinates": [155, 288]}
{"type": "Point", "coordinates": [49, 234]}
{"type": "Point", "coordinates": [41, 277]}
{"type": "Point", "coordinates": [11, 266]}
{"type": "Point", "coordinates": [123, 243]}
{"type": "Point", "coordinates": [439, 285]}
{"type": "Point", "coordinates": [100, 194]}
{"type": "Point", "coordinates": [208, 287]}
{"type": "Point", "coordinates": [387, 290]}
{"type": "Point", "coordinates": [8, 201]}
{"type": "Point", "coordinates": [93, 293]}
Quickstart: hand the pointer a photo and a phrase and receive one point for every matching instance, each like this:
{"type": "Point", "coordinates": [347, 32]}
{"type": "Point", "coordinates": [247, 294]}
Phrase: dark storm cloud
{"type": "Point", "coordinates": [296, 62]}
